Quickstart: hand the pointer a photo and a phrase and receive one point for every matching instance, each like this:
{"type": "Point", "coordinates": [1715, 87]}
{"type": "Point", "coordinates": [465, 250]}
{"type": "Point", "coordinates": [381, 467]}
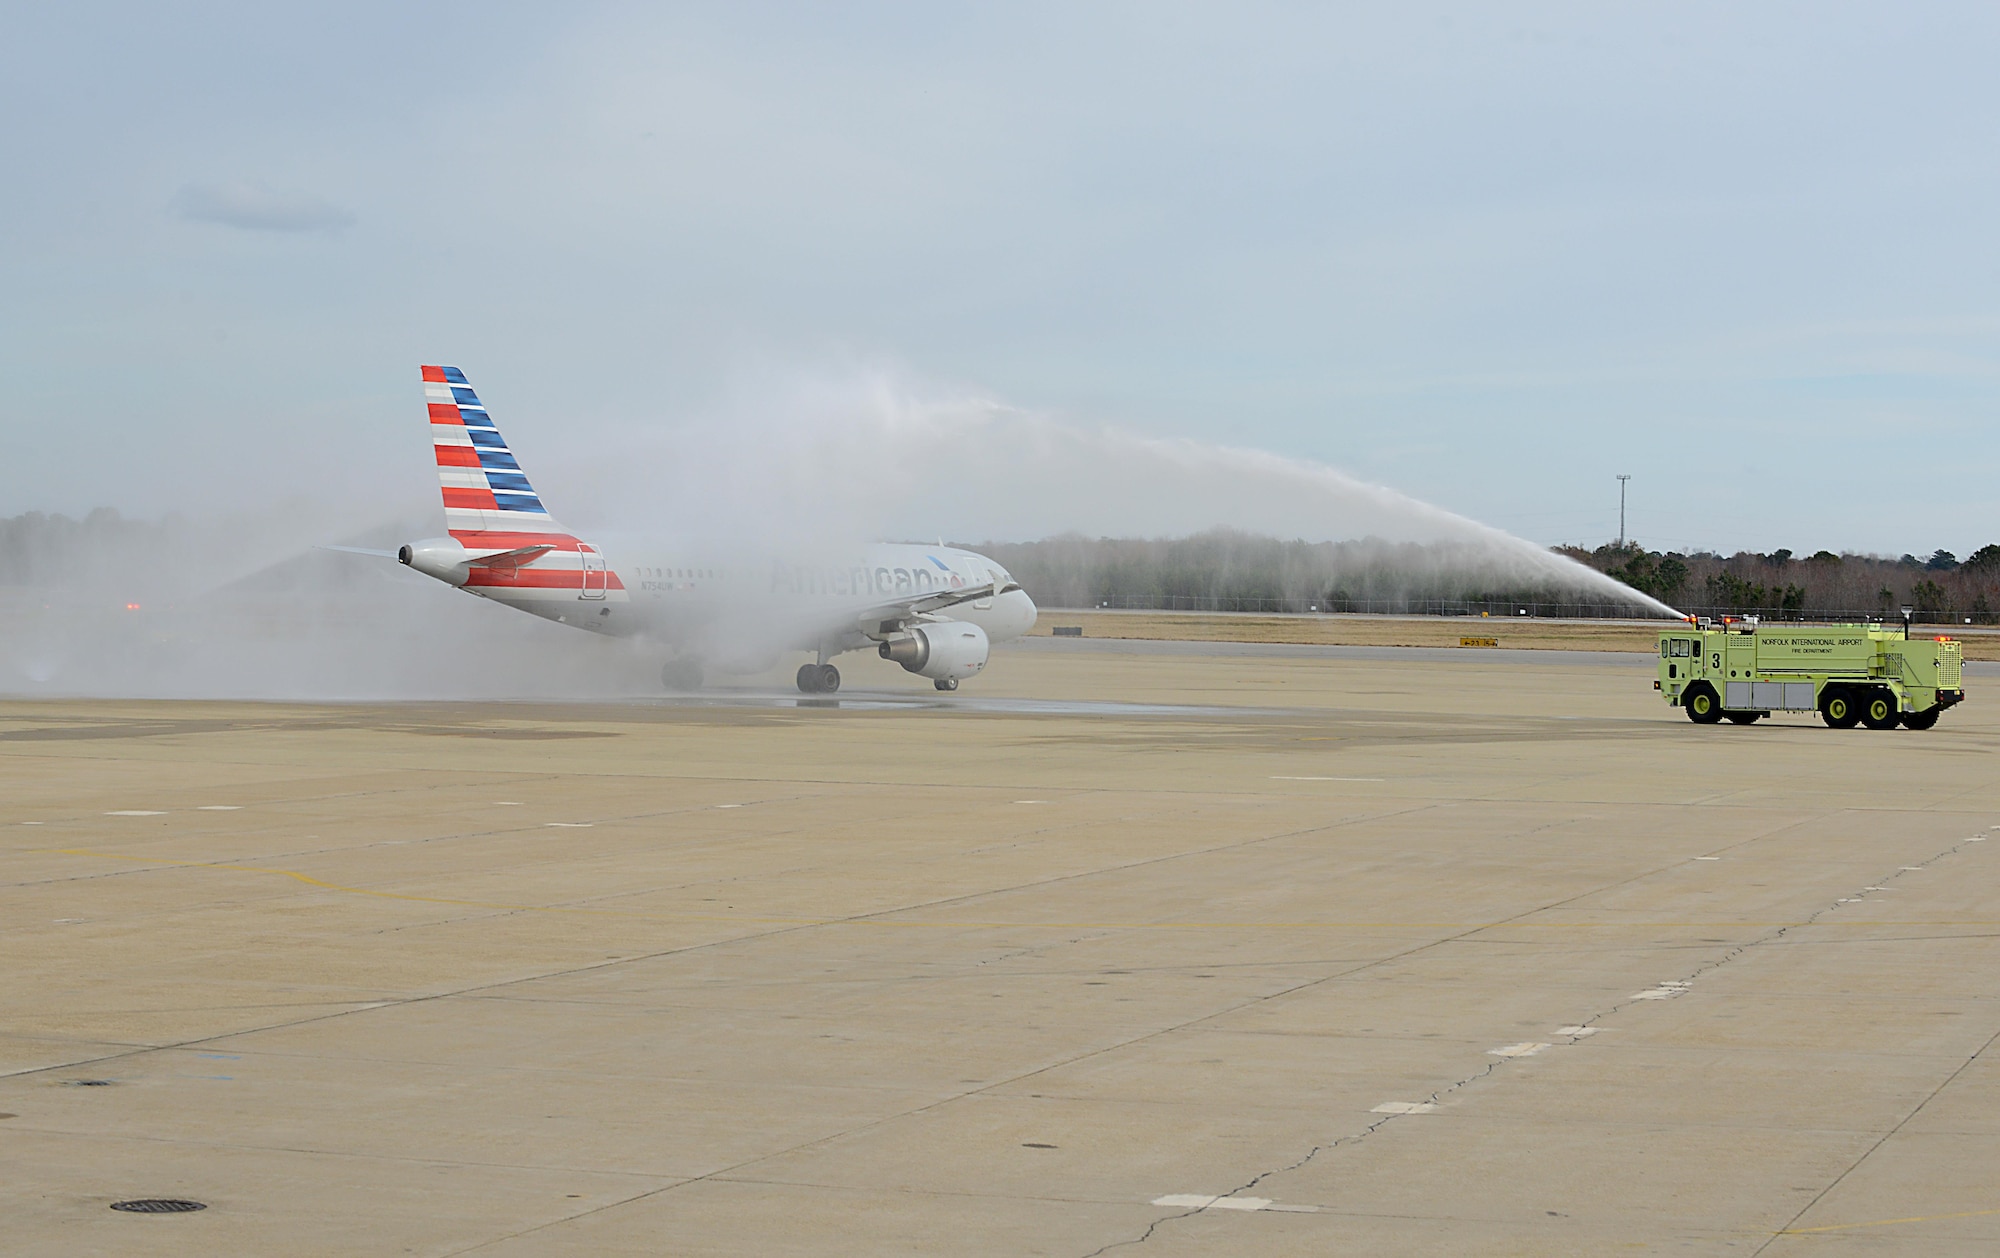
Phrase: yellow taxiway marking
{"type": "Point", "coordinates": [1915, 1218]}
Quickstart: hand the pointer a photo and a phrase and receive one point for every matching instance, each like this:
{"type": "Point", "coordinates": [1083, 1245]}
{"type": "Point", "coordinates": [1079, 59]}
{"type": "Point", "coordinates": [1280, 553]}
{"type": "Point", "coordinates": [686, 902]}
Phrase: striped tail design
{"type": "Point", "coordinates": [485, 491]}
{"type": "Point", "coordinates": [521, 556]}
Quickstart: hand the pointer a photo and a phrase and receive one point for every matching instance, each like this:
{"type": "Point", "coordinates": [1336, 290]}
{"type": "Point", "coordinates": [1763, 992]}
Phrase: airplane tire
{"type": "Point", "coordinates": [829, 679]}
{"type": "Point", "coordinates": [809, 679]}
{"type": "Point", "coordinates": [1878, 710]}
{"type": "Point", "coordinates": [1703, 706]}
{"type": "Point", "coordinates": [1839, 708]}
{"type": "Point", "coordinates": [946, 683]}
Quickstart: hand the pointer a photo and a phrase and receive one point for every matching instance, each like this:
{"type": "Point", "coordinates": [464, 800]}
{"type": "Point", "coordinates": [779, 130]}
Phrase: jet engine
{"type": "Point", "coordinates": [440, 557]}
{"type": "Point", "coordinates": [948, 650]}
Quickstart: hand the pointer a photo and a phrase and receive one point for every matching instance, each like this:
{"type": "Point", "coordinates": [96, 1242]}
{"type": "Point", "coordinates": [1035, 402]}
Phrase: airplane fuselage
{"type": "Point", "coordinates": [667, 596]}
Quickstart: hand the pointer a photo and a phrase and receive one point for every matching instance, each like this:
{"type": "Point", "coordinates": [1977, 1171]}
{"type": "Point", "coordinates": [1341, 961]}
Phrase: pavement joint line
{"type": "Point", "coordinates": [355, 1155]}
{"type": "Point", "coordinates": [497, 984]}
{"type": "Point", "coordinates": [1577, 1031]}
{"type": "Point", "coordinates": [1143, 1037]}
{"type": "Point", "coordinates": [881, 917]}
{"type": "Point", "coordinates": [1932, 1095]}
{"type": "Point", "coordinates": [861, 918]}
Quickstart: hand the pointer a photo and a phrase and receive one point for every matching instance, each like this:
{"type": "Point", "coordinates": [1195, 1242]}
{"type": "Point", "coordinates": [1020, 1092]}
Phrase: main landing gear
{"type": "Point", "coordinates": [818, 679]}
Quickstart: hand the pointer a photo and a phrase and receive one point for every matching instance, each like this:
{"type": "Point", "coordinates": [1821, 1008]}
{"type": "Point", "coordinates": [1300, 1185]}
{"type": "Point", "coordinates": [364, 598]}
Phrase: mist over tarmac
{"type": "Point", "coordinates": [804, 469]}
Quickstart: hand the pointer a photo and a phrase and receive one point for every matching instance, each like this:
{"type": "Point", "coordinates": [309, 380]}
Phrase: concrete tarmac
{"type": "Point", "coordinates": [1159, 951]}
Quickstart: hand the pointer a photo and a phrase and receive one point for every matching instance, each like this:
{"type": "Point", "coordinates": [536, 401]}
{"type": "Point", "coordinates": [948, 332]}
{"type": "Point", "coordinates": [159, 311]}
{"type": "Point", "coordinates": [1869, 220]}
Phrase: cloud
{"type": "Point", "coordinates": [259, 207]}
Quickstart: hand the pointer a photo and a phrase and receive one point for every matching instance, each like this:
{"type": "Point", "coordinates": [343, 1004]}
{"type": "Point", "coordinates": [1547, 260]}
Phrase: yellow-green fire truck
{"type": "Point", "coordinates": [1873, 675]}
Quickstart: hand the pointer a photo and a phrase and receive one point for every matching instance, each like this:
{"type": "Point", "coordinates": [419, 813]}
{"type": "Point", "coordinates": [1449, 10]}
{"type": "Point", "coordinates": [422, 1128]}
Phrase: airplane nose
{"type": "Point", "coordinates": [1025, 610]}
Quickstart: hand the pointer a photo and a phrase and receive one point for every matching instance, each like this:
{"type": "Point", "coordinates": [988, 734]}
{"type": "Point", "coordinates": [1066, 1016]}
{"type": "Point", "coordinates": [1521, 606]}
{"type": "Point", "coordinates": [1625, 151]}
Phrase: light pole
{"type": "Point", "coordinates": [1622, 478]}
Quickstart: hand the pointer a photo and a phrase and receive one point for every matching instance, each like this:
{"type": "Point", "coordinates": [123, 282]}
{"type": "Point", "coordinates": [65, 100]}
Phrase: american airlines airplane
{"type": "Point", "coordinates": [933, 610]}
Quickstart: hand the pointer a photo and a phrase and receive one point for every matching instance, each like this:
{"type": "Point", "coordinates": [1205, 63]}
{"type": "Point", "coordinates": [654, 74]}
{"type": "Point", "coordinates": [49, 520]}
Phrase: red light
{"type": "Point", "coordinates": [131, 607]}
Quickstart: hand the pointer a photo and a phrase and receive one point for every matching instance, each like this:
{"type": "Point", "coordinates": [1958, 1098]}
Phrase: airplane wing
{"type": "Point", "coordinates": [888, 618]}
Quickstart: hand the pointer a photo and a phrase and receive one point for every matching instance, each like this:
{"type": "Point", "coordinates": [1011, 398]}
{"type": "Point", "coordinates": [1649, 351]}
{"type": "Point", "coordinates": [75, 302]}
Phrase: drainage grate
{"type": "Point", "coordinates": [159, 1205]}
{"type": "Point", "coordinates": [87, 1083]}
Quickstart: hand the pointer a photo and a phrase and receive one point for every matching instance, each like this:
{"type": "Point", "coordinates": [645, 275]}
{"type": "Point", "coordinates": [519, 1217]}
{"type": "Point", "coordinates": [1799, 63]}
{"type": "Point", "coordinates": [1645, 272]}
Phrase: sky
{"type": "Point", "coordinates": [1490, 256]}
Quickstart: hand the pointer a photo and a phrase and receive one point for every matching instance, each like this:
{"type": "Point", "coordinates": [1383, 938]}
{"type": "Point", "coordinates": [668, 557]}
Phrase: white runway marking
{"type": "Point", "coordinates": [1527, 1048]}
{"type": "Point", "coordinates": [1405, 1107]}
{"type": "Point", "coordinates": [570, 825]}
{"type": "Point", "coordinates": [1659, 993]}
{"type": "Point", "coordinates": [1977, 838]}
{"type": "Point", "coordinates": [219, 808]}
{"type": "Point", "coordinates": [136, 812]}
{"type": "Point", "coordinates": [1708, 858]}
{"type": "Point", "coordinates": [31, 823]}
{"type": "Point", "coordinates": [1201, 1201]}
{"type": "Point", "coordinates": [1284, 777]}
{"type": "Point", "coordinates": [507, 803]}
{"type": "Point", "coordinates": [1578, 1031]}
{"type": "Point", "coordinates": [1912, 869]}
{"type": "Point", "coordinates": [729, 805]}
{"type": "Point", "coordinates": [1878, 888]}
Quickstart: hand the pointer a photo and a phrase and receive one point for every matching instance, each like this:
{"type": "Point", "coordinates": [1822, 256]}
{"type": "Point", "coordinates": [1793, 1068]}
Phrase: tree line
{"type": "Point", "coordinates": [1781, 584]}
{"type": "Point", "coordinates": [1224, 570]}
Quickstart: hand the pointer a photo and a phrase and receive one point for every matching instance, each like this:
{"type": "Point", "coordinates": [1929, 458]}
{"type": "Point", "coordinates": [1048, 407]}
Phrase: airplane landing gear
{"type": "Point", "coordinates": [946, 683]}
{"type": "Point", "coordinates": [818, 679]}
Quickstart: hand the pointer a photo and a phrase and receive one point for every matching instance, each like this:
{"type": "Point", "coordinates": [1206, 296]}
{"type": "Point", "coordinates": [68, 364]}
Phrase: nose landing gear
{"type": "Point", "coordinates": [946, 683]}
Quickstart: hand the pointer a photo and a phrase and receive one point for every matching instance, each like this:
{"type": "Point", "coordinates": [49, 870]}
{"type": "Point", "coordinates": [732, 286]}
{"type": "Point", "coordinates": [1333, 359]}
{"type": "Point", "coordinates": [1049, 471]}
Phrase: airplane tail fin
{"type": "Point", "coordinates": [485, 491]}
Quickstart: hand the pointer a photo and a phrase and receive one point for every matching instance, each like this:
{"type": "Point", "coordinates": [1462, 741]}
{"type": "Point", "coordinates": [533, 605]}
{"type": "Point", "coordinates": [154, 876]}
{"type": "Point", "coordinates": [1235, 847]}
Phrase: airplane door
{"type": "Point", "coordinates": [593, 570]}
{"type": "Point", "coordinates": [984, 604]}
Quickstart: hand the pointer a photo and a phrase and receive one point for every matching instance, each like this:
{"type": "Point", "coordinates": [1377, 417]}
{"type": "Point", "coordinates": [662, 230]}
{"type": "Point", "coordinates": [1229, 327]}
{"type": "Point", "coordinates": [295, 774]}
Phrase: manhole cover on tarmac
{"type": "Point", "coordinates": [159, 1205]}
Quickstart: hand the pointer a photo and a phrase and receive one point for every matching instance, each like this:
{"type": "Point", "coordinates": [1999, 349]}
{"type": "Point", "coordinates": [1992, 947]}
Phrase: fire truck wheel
{"type": "Point", "coordinates": [1839, 708]}
{"type": "Point", "coordinates": [1921, 720]}
{"type": "Point", "coordinates": [1703, 706]}
{"type": "Point", "coordinates": [1743, 718]}
{"type": "Point", "coordinates": [1878, 710]}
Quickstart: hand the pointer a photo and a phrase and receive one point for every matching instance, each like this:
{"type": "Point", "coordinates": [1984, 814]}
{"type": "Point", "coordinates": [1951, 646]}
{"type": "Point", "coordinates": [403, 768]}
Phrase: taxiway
{"type": "Point", "coordinates": [1128, 950]}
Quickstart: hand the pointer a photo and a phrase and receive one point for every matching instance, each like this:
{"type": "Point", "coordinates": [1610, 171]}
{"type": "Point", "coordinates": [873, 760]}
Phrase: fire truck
{"type": "Point", "coordinates": [1872, 674]}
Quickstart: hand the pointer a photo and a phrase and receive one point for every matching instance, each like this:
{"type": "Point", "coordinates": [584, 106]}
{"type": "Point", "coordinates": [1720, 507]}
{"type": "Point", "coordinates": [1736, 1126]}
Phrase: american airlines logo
{"type": "Point", "coordinates": [800, 579]}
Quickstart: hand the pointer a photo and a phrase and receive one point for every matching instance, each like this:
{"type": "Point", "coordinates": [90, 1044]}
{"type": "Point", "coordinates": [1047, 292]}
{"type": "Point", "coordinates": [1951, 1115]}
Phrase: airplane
{"type": "Point", "coordinates": [935, 610]}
